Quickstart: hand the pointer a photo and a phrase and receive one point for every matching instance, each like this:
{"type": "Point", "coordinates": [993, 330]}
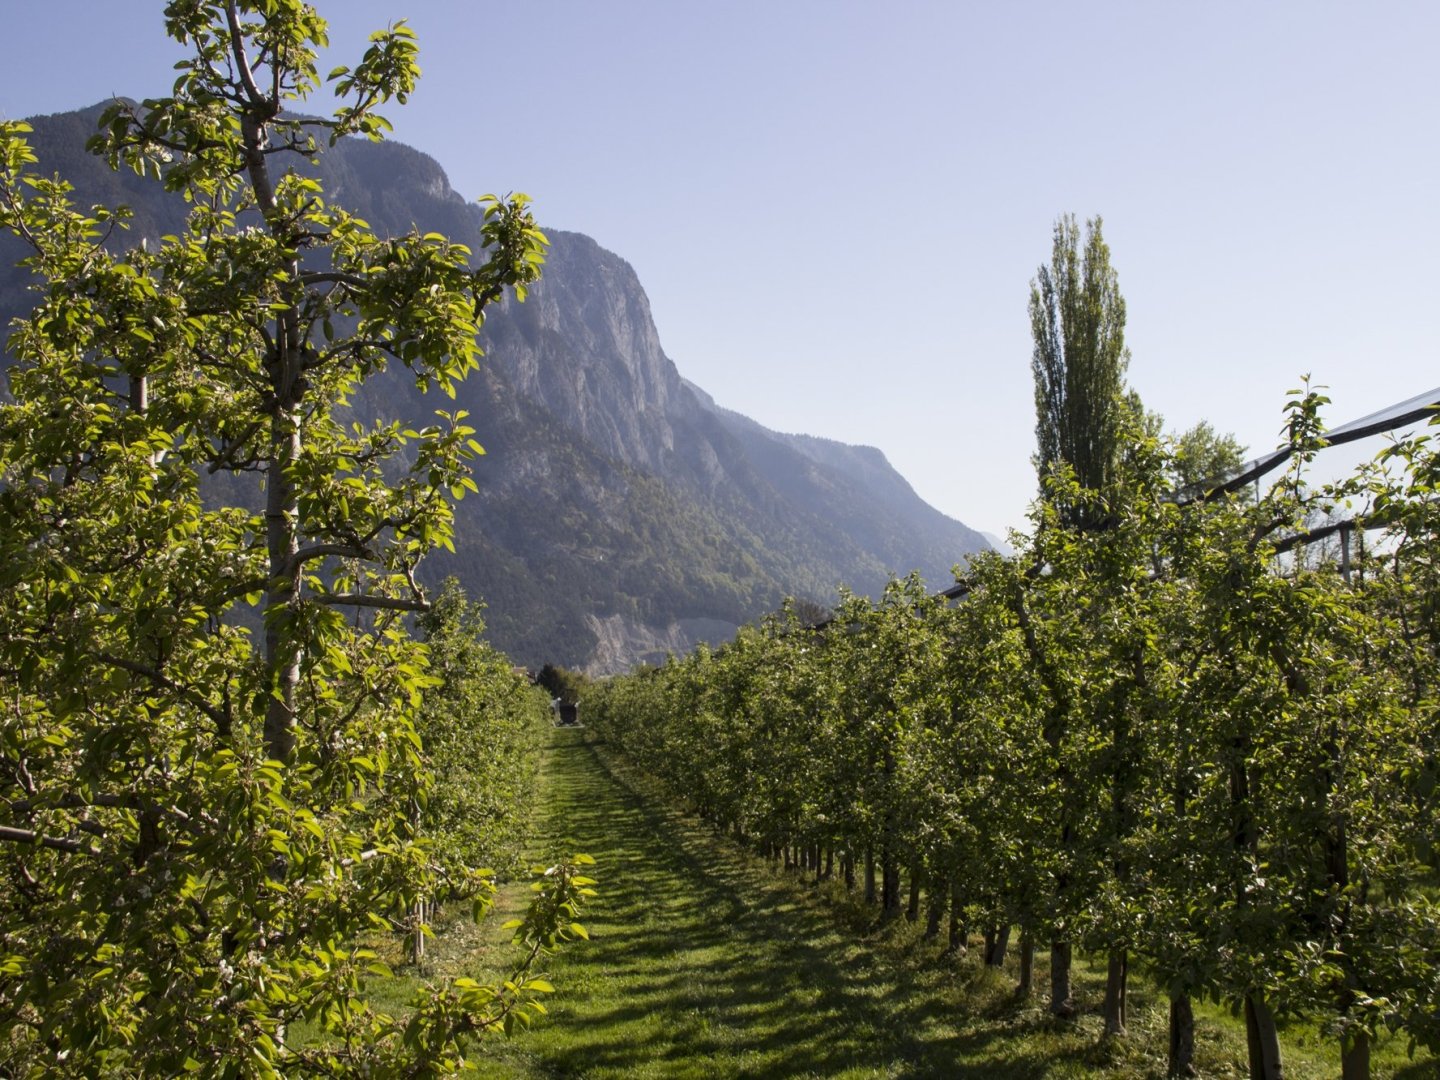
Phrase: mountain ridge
{"type": "Point", "coordinates": [622, 513]}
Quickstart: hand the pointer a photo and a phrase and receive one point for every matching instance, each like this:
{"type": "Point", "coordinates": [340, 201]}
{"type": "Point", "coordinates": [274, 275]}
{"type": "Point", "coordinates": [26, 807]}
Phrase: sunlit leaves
{"type": "Point", "coordinates": [211, 749]}
{"type": "Point", "coordinates": [1153, 736]}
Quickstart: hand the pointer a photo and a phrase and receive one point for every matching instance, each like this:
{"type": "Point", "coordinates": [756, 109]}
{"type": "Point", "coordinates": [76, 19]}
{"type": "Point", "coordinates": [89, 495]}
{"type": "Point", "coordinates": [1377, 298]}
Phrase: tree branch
{"type": "Point", "coordinates": [159, 678]}
{"type": "Point", "coordinates": [321, 551]}
{"type": "Point", "coordinates": [242, 64]}
{"type": "Point", "coordinates": [227, 451]}
{"type": "Point", "coordinates": [415, 585]}
{"type": "Point", "coordinates": [389, 603]}
{"type": "Point", "coordinates": [336, 277]}
{"type": "Point", "coordinates": [245, 588]}
{"type": "Point", "coordinates": [56, 843]}
{"type": "Point", "coordinates": [349, 348]}
{"type": "Point", "coordinates": [107, 800]}
{"type": "Point", "coordinates": [1261, 531]}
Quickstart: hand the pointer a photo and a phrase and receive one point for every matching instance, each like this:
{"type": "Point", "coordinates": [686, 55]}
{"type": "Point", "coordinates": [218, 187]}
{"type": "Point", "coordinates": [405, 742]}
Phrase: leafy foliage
{"type": "Point", "coordinates": [1240, 747]}
{"type": "Point", "coordinates": [1077, 319]}
{"type": "Point", "coordinates": [481, 725]}
{"type": "Point", "coordinates": [199, 828]}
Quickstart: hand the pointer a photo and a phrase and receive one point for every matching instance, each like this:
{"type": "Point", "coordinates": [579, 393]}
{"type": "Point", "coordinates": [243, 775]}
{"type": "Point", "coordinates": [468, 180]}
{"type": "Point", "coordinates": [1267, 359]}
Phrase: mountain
{"type": "Point", "coordinates": [1002, 546]}
{"type": "Point", "coordinates": [622, 513]}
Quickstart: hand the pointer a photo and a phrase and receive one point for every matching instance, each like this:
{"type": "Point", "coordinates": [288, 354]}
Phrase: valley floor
{"type": "Point", "coordinates": [703, 962]}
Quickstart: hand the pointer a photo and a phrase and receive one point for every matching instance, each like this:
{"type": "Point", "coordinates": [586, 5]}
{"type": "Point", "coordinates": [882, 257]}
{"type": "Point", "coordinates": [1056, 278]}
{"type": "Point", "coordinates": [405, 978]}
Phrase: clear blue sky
{"type": "Point", "coordinates": [837, 207]}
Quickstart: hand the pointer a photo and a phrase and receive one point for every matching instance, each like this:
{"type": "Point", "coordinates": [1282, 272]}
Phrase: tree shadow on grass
{"type": "Point", "coordinates": [1419, 1070]}
{"type": "Point", "coordinates": [702, 963]}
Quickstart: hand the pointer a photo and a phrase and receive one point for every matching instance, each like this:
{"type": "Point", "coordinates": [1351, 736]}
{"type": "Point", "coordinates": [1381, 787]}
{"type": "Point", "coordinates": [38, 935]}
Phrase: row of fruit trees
{"type": "Point", "coordinates": [1147, 735]}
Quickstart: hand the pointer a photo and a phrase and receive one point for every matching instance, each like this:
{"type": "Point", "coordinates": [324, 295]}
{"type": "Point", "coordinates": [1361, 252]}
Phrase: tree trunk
{"type": "Point", "coordinates": [870, 890]}
{"type": "Point", "coordinates": [1354, 1047]}
{"type": "Point", "coordinates": [912, 909]}
{"type": "Point", "coordinates": [1062, 1004]}
{"type": "Point", "coordinates": [1355, 1056]}
{"type": "Point", "coordinates": [139, 394]}
{"type": "Point", "coordinates": [1264, 1041]}
{"type": "Point", "coordinates": [829, 863]}
{"type": "Point", "coordinates": [1182, 1038]}
{"type": "Point", "coordinates": [889, 886]}
{"type": "Point", "coordinates": [847, 870]}
{"type": "Point", "coordinates": [934, 910]}
{"type": "Point", "coordinates": [1115, 1000]}
{"type": "Point", "coordinates": [997, 941]}
{"type": "Point", "coordinates": [1027, 961]}
{"type": "Point", "coordinates": [284, 368]}
{"type": "Point", "coordinates": [282, 653]}
{"type": "Point", "coordinates": [956, 942]}
{"type": "Point", "coordinates": [417, 940]}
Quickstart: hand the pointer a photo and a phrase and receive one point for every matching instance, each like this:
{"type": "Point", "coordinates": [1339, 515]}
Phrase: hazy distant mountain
{"type": "Point", "coordinates": [622, 513]}
{"type": "Point", "coordinates": [998, 544]}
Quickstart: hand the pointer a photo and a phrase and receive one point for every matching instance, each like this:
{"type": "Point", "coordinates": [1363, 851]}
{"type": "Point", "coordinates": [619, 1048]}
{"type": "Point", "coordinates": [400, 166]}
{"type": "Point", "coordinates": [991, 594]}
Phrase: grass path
{"type": "Point", "coordinates": [703, 963]}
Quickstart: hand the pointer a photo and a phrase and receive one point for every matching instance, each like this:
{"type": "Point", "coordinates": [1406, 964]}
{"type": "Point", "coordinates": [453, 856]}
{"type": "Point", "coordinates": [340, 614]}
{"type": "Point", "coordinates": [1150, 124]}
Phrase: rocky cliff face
{"type": "Point", "coordinates": [622, 513]}
{"type": "Point", "coordinates": [584, 347]}
{"type": "Point", "coordinates": [622, 642]}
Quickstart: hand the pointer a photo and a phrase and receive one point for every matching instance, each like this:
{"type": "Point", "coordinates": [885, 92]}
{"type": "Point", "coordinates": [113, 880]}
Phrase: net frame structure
{"type": "Point", "coordinates": [1411, 410]}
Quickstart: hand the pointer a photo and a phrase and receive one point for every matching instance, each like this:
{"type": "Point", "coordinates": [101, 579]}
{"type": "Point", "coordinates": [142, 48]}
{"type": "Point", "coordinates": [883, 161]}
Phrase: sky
{"type": "Point", "coordinates": [837, 206]}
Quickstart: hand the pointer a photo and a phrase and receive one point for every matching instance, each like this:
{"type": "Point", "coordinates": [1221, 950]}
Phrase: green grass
{"type": "Point", "coordinates": [703, 962]}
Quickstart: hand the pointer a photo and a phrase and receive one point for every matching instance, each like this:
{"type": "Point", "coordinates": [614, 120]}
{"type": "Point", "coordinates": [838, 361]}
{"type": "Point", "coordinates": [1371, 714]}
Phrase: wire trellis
{"type": "Point", "coordinates": [1419, 407]}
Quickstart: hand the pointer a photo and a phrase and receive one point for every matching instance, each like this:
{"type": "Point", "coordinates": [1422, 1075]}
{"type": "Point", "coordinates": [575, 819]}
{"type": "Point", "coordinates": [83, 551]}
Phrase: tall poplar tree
{"type": "Point", "coordinates": [1077, 317]}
